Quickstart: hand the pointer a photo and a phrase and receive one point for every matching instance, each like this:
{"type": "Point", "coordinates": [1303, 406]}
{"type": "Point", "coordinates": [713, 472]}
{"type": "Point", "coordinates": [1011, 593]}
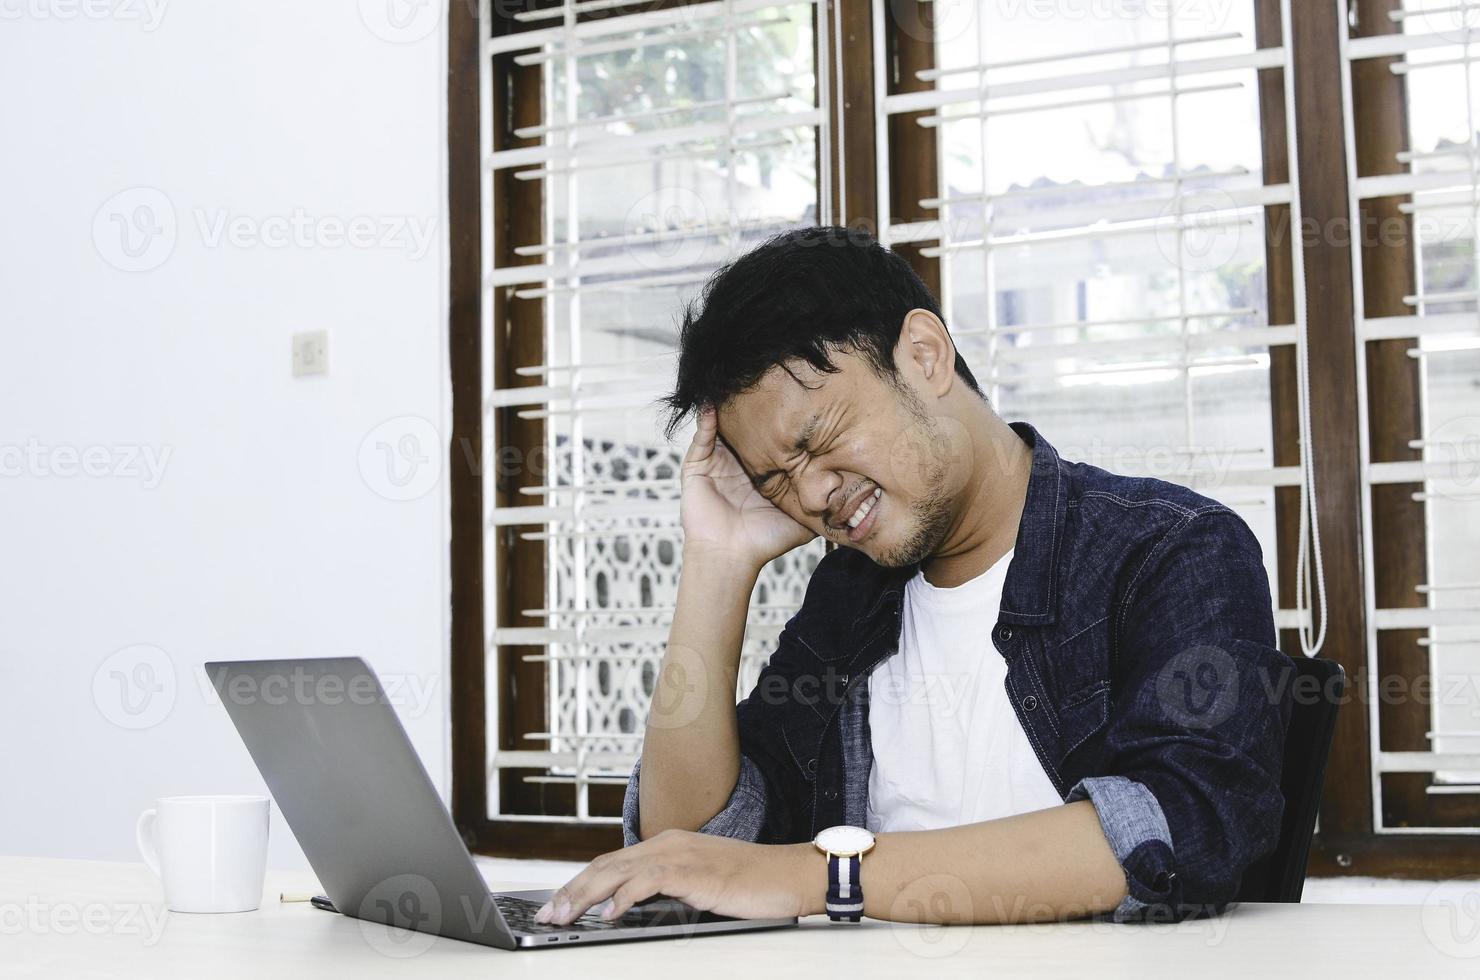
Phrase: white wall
{"type": "Point", "coordinates": [264, 536]}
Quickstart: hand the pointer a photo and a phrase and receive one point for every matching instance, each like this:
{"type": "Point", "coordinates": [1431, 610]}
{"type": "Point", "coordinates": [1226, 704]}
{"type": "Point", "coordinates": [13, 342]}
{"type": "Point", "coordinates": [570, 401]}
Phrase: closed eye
{"type": "Point", "coordinates": [770, 485]}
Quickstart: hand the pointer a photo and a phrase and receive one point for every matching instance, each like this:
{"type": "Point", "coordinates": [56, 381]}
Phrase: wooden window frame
{"type": "Point", "coordinates": [1347, 842]}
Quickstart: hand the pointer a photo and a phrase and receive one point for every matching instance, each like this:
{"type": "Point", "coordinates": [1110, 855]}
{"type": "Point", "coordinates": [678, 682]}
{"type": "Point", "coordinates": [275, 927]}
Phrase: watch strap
{"type": "Point", "coordinates": [844, 893]}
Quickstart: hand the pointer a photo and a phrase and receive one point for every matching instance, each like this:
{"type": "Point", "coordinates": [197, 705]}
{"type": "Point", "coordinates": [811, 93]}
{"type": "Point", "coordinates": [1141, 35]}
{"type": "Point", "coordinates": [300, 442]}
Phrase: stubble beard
{"type": "Point", "coordinates": [930, 514]}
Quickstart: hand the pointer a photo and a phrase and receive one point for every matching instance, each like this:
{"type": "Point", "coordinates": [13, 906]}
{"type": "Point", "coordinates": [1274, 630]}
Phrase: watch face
{"type": "Point", "coordinates": [845, 840]}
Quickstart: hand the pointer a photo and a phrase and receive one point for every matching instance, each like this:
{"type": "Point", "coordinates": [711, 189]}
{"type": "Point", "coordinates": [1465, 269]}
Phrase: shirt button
{"type": "Point", "coordinates": [1004, 634]}
{"type": "Point", "coordinates": [1029, 703]}
{"type": "Point", "coordinates": [811, 767]}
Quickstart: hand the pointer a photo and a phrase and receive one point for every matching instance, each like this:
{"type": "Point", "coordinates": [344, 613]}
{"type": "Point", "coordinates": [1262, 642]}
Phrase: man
{"type": "Point", "coordinates": [1032, 689]}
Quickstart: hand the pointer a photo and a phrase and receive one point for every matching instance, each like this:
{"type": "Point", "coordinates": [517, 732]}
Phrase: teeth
{"type": "Point", "coordinates": [864, 508]}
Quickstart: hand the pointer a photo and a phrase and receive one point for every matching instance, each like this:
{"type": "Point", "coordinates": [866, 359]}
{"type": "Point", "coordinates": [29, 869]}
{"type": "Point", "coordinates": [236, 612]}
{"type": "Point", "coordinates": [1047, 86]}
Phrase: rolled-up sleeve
{"type": "Point", "coordinates": [1136, 829]}
{"type": "Point", "coordinates": [741, 817]}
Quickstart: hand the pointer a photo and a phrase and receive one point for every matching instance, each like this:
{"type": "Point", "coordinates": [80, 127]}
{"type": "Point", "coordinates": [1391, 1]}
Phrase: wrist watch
{"type": "Point", "coordinates": [845, 847]}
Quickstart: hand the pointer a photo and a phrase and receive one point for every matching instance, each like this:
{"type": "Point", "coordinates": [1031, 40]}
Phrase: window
{"type": "Point", "coordinates": [1413, 179]}
{"type": "Point", "coordinates": [1122, 206]}
{"type": "Point", "coordinates": [642, 150]}
{"type": "Point", "coordinates": [1097, 219]}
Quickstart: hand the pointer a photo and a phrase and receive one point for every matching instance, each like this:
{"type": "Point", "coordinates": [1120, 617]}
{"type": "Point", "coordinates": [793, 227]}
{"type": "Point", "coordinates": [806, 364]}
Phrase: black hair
{"type": "Point", "coordinates": [800, 295]}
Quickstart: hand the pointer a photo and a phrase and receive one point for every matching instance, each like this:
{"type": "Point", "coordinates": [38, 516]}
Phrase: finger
{"type": "Point", "coordinates": [596, 882]}
{"type": "Point", "coordinates": [705, 435]}
{"type": "Point", "coordinates": [645, 884]}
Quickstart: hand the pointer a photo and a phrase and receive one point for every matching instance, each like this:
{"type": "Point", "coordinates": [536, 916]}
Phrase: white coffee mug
{"type": "Point", "coordinates": [210, 851]}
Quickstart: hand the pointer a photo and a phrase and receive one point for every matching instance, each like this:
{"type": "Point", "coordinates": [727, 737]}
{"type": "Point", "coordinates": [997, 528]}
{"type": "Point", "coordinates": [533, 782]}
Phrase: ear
{"type": "Point", "coordinates": [925, 353]}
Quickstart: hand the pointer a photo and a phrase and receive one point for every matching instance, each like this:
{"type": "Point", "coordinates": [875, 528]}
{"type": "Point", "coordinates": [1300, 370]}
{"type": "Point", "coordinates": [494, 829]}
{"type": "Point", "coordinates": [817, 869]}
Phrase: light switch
{"type": "Point", "coordinates": [310, 353]}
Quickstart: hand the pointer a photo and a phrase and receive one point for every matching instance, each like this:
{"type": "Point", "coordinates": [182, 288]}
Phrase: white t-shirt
{"type": "Point", "coordinates": [948, 748]}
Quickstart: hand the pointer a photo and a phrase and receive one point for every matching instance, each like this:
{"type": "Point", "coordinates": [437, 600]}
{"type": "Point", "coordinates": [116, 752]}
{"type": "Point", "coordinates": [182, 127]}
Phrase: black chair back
{"type": "Point", "coordinates": [1316, 691]}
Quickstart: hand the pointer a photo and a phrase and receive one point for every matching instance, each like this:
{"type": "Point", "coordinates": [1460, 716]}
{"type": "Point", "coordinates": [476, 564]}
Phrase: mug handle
{"type": "Point", "coordinates": [145, 833]}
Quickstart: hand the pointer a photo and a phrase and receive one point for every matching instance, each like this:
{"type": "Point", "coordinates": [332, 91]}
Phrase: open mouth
{"type": "Point", "coordinates": [861, 521]}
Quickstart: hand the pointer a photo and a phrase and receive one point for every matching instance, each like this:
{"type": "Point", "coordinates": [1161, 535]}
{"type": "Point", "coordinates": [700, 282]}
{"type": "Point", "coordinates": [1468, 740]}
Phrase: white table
{"type": "Point", "coordinates": [88, 919]}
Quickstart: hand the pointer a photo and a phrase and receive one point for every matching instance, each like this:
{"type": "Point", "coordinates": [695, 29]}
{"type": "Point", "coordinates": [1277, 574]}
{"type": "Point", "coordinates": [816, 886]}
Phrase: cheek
{"type": "Point", "coordinates": [924, 455]}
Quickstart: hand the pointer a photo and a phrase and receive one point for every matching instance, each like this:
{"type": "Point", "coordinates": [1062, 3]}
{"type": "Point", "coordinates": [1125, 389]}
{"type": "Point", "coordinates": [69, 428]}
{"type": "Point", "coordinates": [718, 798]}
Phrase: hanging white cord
{"type": "Point", "coordinates": [1308, 555]}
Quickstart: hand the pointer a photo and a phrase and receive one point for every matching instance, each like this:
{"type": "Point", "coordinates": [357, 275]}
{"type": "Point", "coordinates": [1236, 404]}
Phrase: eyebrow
{"type": "Point", "coordinates": [801, 443]}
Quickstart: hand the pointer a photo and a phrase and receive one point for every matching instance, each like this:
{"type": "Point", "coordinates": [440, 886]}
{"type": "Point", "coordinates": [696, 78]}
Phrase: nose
{"type": "Point", "coordinates": [816, 488]}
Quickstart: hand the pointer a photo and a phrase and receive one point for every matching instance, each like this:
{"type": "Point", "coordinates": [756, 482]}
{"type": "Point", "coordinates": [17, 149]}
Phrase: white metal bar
{"type": "Point", "coordinates": [1452, 296]}
{"type": "Point", "coordinates": [648, 532]}
{"type": "Point", "coordinates": [602, 486]}
{"type": "Point", "coordinates": [1401, 14]}
{"type": "Point", "coordinates": [1209, 340]}
{"type": "Point", "coordinates": [1409, 67]}
{"type": "Point", "coordinates": [714, 229]}
{"type": "Point", "coordinates": [626, 24]}
{"type": "Point", "coordinates": [1022, 328]}
{"type": "Point", "coordinates": [1109, 189]}
{"type": "Point", "coordinates": [529, 132]}
{"type": "Point", "coordinates": [1417, 325]}
{"type": "Point", "coordinates": [932, 74]}
{"type": "Point", "coordinates": [932, 99]}
{"type": "Point", "coordinates": [579, 7]}
{"type": "Point", "coordinates": [491, 359]}
{"type": "Point", "coordinates": [614, 285]}
{"type": "Point", "coordinates": [777, 608]}
{"type": "Point", "coordinates": [527, 636]}
{"type": "Point", "coordinates": [596, 148]}
{"type": "Point", "coordinates": [1415, 156]}
{"type": "Point", "coordinates": [701, 150]}
{"type": "Point", "coordinates": [1077, 233]}
{"type": "Point", "coordinates": [1419, 618]}
{"type": "Point", "coordinates": [538, 370]}
{"type": "Point", "coordinates": [1390, 45]}
{"type": "Point", "coordinates": [545, 759]}
{"type": "Point", "coordinates": [607, 266]}
{"type": "Point", "coordinates": [1426, 761]}
{"type": "Point", "coordinates": [585, 49]}
{"type": "Point", "coordinates": [1392, 185]}
{"type": "Point", "coordinates": [1171, 92]}
{"type": "Point", "coordinates": [578, 781]}
{"type": "Point", "coordinates": [599, 509]}
{"type": "Point", "coordinates": [1419, 471]}
{"type": "Point", "coordinates": [1153, 212]}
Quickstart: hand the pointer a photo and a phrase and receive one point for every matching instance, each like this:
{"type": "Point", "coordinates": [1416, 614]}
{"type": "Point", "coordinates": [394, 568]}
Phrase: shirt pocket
{"type": "Point", "coordinates": [1079, 665]}
{"type": "Point", "coordinates": [1083, 715]}
{"type": "Point", "coordinates": [1080, 668]}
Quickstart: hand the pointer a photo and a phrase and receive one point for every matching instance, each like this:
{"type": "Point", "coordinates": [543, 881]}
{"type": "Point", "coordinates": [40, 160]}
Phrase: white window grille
{"type": "Point", "coordinates": [672, 140]}
{"type": "Point", "coordinates": [1436, 52]}
{"type": "Point", "coordinates": [1100, 229]}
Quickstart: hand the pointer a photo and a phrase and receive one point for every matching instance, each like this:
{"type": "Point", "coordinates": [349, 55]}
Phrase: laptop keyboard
{"type": "Point", "coordinates": [519, 914]}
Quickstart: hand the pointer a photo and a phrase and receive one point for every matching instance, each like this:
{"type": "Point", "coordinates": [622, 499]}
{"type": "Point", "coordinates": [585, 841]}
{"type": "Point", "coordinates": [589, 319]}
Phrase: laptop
{"type": "Point", "coordinates": [354, 792]}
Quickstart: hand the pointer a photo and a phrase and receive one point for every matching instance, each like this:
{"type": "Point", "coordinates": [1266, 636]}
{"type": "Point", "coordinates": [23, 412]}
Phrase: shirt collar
{"type": "Point", "coordinates": [1029, 595]}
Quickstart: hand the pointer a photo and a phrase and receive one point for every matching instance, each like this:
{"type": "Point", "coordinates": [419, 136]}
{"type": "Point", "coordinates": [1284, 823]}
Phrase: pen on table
{"type": "Point", "coordinates": [318, 901]}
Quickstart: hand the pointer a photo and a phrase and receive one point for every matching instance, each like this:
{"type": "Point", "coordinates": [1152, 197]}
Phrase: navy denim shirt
{"type": "Point", "coordinates": [1139, 637]}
